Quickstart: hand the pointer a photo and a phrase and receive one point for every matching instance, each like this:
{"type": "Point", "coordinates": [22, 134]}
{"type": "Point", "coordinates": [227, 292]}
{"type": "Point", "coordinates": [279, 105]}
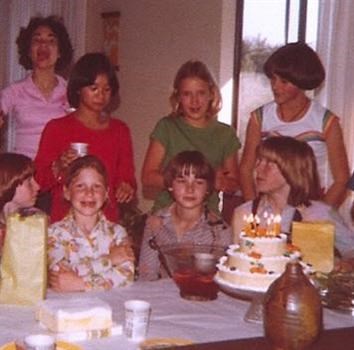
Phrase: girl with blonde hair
{"type": "Point", "coordinates": [192, 125]}
{"type": "Point", "coordinates": [287, 183]}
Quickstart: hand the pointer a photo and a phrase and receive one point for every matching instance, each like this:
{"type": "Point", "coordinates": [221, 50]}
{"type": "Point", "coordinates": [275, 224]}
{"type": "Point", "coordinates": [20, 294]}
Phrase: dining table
{"type": "Point", "coordinates": [215, 324]}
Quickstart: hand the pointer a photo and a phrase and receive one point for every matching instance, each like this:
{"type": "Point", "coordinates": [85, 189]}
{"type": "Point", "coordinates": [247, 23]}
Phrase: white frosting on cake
{"type": "Point", "coordinates": [244, 280]}
{"type": "Point", "coordinates": [256, 262]}
{"type": "Point", "coordinates": [78, 314]}
{"type": "Point", "coordinates": [264, 245]}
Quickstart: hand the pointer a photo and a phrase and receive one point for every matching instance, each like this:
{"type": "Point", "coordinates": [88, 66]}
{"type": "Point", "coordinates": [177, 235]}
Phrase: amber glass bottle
{"type": "Point", "coordinates": [292, 310]}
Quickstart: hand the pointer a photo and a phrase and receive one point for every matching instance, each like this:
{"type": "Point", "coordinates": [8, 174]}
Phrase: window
{"type": "Point", "coordinates": [266, 25]}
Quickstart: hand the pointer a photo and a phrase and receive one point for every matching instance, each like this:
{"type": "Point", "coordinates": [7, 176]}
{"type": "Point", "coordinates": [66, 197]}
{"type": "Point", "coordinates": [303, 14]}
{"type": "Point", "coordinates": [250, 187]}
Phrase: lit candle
{"type": "Point", "coordinates": [277, 221]}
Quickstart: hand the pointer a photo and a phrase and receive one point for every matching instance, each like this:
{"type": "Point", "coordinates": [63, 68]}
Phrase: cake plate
{"type": "Point", "coordinates": [254, 314]}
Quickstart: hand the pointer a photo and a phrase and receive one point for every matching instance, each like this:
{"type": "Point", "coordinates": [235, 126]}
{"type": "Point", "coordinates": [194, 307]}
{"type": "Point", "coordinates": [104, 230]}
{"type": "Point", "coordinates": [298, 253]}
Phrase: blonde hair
{"type": "Point", "coordinates": [196, 69]}
{"type": "Point", "coordinates": [297, 163]}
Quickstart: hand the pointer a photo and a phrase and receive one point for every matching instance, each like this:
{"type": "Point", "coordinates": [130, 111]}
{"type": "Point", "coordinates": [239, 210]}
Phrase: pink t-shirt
{"type": "Point", "coordinates": [31, 111]}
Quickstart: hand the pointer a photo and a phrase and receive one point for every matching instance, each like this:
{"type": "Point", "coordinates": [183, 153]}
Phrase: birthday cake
{"type": "Point", "coordinates": [258, 259]}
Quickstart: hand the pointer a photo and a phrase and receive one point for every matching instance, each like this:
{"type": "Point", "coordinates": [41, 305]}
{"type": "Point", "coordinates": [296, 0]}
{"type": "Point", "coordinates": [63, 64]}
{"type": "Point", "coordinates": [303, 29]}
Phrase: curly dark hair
{"type": "Point", "coordinates": [24, 40]}
{"type": "Point", "coordinates": [85, 72]}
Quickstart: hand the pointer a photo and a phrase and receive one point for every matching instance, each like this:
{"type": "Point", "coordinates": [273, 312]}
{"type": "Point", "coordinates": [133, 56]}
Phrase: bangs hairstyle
{"type": "Point", "coordinates": [296, 162]}
{"type": "Point", "coordinates": [86, 162]}
{"type": "Point", "coordinates": [85, 72]}
{"type": "Point", "coordinates": [24, 41]}
{"type": "Point", "coordinates": [14, 169]}
{"type": "Point", "coordinates": [186, 163]}
{"type": "Point", "coordinates": [196, 69]}
{"type": "Point", "coordinates": [297, 63]}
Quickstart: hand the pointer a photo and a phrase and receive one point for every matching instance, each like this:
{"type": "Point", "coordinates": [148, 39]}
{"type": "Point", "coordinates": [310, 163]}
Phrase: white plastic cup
{"type": "Point", "coordinates": [80, 147]}
{"type": "Point", "coordinates": [39, 342]}
{"type": "Point", "coordinates": [137, 315]}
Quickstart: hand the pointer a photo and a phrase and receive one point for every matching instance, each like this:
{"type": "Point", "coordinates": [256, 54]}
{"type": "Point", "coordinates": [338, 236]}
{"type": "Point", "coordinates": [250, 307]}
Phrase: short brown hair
{"type": "Point", "coordinates": [14, 169]}
{"type": "Point", "coordinates": [187, 162]}
{"type": "Point", "coordinates": [297, 163]}
{"type": "Point", "coordinates": [85, 72]}
{"type": "Point", "coordinates": [196, 69]}
{"type": "Point", "coordinates": [83, 163]}
{"type": "Point", "coordinates": [297, 63]}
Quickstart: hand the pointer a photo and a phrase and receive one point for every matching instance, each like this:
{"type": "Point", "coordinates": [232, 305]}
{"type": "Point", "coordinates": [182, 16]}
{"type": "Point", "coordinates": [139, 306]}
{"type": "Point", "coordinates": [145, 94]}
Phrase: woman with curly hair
{"type": "Point", "coordinates": [44, 47]}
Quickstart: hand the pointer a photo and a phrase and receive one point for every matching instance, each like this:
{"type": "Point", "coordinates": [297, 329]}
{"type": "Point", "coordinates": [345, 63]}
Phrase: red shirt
{"type": "Point", "coordinates": [113, 146]}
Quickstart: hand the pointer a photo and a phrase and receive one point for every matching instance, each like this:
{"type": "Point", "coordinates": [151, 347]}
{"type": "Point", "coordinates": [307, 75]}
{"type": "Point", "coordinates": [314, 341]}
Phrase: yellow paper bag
{"type": "Point", "coordinates": [23, 270]}
{"type": "Point", "coordinates": [316, 242]}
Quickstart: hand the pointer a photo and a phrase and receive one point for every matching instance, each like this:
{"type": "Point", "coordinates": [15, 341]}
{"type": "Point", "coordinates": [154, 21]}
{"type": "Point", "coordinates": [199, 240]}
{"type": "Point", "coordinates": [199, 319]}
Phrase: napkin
{"type": "Point", "coordinates": [316, 242]}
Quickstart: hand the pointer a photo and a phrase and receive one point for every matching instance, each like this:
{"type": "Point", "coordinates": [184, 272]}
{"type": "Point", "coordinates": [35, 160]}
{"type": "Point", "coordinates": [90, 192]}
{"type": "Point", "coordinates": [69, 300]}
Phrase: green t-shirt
{"type": "Point", "coordinates": [217, 142]}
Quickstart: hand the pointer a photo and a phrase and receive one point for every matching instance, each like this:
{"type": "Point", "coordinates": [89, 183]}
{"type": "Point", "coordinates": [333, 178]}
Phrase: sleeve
{"type": "Point", "coordinates": [126, 169]}
{"type": "Point", "coordinates": [102, 274]}
{"type": "Point", "coordinates": [160, 132]}
{"type": "Point", "coordinates": [149, 264]}
{"type": "Point", "coordinates": [48, 151]}
{"type": "Point", "coordinates": [328, 119]}
{"type": "Point", "coordinates": [232, 142]}
{"type": "Point", "coordinates": [224, 234]}
{"type": "Point", "coordinates": [7, 98]}
{"type": "Point", "coordinates": [219, 230]}
{"type": "Point", "coordinates": [257, 115]}
{"type": "Point", "coordinates": [58, 248]}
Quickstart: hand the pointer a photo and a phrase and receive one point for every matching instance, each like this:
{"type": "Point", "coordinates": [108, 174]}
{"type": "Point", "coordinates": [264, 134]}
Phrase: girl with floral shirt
{"type": "Point", "coordinates": [87, 251]}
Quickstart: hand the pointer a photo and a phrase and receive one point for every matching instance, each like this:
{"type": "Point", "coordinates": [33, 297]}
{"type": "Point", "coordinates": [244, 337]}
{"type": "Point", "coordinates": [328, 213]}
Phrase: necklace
{"type": "Point", "coordinates": [295, 116]}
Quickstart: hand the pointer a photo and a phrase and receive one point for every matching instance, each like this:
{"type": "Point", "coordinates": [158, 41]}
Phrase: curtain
{"type": "Point", "coordinates": [336, 48]}
{"type": "Point", "coordinates": [19, 14]}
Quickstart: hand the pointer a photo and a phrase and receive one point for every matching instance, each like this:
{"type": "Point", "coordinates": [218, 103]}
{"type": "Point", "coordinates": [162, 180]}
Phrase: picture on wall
{"type": "Point", "coordinates": [111, 36]}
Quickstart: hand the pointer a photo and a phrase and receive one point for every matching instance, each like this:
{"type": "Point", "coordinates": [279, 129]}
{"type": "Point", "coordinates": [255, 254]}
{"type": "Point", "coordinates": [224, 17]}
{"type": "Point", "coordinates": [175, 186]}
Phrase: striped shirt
{"type": "Point", "coordinates": [209, 229]}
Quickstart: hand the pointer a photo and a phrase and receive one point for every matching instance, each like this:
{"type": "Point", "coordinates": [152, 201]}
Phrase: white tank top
{"type": "Point", "coordinates": [310, 128]}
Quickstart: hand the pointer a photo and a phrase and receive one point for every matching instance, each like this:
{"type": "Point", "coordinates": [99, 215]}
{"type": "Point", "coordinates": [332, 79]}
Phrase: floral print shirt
{"type": "Point", "coordinates": [87, 255]}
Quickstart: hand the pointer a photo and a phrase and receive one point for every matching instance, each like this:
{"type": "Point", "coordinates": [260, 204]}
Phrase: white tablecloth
{"type": "Point", "coordinates": [172, 316]}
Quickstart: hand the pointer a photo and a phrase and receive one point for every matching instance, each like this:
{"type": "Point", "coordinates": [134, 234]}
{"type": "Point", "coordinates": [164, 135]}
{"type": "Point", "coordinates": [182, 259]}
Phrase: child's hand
{"type": "Point", "coordinates": [120, 254]}
{"type": "Point", "coordinates": [65, 280]}
{"type": "Point", "coordinates": [124, 193]}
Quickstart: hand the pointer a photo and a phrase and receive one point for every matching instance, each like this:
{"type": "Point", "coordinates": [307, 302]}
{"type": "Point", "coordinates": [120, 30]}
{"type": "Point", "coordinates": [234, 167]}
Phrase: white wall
{"type": "Point", "coordinates": [156, 37]}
